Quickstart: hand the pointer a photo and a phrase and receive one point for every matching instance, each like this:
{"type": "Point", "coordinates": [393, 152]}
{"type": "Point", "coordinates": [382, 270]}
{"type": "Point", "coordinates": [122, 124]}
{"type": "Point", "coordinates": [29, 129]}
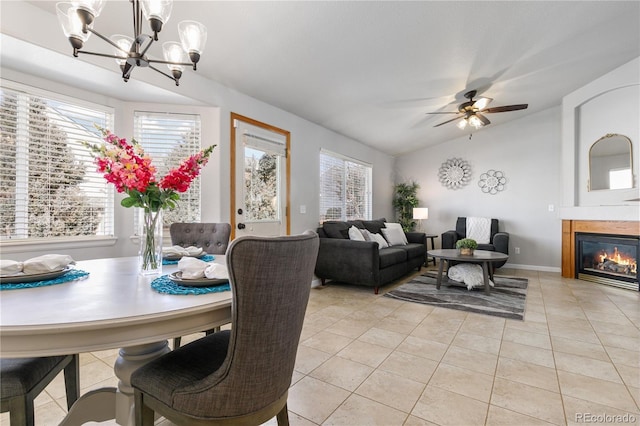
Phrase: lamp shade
{"type": "Point", "coordinates": [193, 36]}
{"type": "Point", "coordinates": [70, 22]}
{"type": "Point", "coordinates": [421, 213]}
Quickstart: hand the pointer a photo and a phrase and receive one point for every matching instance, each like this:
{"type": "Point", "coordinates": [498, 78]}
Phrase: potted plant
{"type": "Point", "coordinates": [404, 200]}
{"type": "Point", "coordinates": [466, 246]}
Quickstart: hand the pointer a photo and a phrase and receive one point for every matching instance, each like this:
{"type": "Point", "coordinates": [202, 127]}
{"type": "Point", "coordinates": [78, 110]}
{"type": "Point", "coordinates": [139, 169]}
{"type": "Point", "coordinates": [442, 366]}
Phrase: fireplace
{"type": "Point", "coordinates": [608, 259]}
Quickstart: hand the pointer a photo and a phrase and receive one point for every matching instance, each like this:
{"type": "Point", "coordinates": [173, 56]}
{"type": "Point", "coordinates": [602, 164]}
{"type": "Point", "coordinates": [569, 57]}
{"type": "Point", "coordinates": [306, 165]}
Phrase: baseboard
{"type": "Point", "coordinates": [532, 267]}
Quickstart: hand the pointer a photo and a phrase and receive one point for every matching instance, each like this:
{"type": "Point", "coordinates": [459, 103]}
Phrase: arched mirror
{"type": "Point", "coordinates": [610, 163]}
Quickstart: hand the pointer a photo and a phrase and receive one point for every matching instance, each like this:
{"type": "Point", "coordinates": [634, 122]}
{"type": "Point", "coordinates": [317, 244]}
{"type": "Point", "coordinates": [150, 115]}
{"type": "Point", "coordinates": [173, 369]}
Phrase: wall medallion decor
{"type": "Point", "coordinates": [454, 173]}
{"type": "Point", "coordinates": [492, 182]}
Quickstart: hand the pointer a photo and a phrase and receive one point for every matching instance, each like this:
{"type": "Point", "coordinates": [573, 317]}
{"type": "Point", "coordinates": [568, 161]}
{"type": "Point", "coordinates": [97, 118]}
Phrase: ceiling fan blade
{"type": "Point", "coordinates": [481, 103]}
{"type": "Point", "coordinates": [485, 120]}
{"type": "Point", "coordinates": [444, 112]}
{"type": "Point", "coordinates": [445, 122]}
{"type": "Point", "coordinates": [505, 108]}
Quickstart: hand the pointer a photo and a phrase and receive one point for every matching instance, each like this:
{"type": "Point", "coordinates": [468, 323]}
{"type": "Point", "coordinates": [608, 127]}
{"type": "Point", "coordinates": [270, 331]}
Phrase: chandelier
{"type": "Point", "coordinates": [77, 18]}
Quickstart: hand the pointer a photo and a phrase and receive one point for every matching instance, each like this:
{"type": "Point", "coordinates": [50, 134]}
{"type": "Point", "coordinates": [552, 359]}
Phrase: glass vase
{"type": "Point", "coordinates": [150, 232]}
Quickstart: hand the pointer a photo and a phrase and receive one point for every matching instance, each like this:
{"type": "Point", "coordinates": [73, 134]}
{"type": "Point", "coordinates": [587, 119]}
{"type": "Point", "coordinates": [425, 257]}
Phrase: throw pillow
{"type": "Point", "coordinates": [355, 234]}
{"type": "Point", "coordinates": [382, 243]}
{"type": "Point", "coordinates": [394, 234]}
{"type": "Point", "coordinates": [366, 234]}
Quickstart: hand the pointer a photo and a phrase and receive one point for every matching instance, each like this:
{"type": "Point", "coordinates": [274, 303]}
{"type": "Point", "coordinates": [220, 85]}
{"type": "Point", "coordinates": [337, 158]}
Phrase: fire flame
{"type": "Point", "coordinates": [619, 259]}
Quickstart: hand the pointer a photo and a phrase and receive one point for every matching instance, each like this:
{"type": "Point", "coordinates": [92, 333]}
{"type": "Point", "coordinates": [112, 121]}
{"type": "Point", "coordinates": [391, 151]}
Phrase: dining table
{"type": "Point", "coordinates": [112, 307]}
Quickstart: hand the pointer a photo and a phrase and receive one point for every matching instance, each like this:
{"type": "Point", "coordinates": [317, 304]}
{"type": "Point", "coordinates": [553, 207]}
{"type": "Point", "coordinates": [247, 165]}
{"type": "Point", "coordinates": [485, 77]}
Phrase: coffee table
{"type": "Point", "coordinates": [483, 257]}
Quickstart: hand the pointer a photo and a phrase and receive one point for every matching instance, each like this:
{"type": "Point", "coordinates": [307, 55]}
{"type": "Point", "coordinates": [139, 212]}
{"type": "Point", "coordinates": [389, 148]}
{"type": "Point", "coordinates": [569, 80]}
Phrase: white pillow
{"type": "Point", "coordinates": [355, 234]}
{"type": "Point", "coordinates": [394, 234]}
{"type": "Point", "coordinates": [366, 234]}
{"type": "Point", "coordinates": [382, 243]}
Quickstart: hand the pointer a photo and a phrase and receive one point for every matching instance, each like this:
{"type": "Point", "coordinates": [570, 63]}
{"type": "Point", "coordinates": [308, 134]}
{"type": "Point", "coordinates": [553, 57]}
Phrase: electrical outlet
{"type": "Point", "coordinates": [551, 207]}
{"type": "Point", "coordinates": [517, 250]}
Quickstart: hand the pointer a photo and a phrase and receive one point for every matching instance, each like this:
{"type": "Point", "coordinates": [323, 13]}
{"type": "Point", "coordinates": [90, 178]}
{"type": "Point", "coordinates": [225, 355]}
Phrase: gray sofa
{"type": "Point", "coordinates": [361, 262]}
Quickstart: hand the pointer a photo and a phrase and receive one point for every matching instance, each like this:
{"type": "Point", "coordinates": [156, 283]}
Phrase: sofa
{"type": "Point", "coordinates": [363, 262]}
{"type": "Point", "coordinates": [498, 241]}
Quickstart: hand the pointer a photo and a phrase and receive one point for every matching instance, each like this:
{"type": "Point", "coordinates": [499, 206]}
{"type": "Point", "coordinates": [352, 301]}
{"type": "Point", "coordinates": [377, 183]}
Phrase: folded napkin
{"type": "Point", "coordinates": [10, 267]}
{"type": "Point", "coordinates": [193, 268]}
{"type": "Point", "coordinates": [176, 251]}
{"type": "Point", "coordinates": [47, 263]}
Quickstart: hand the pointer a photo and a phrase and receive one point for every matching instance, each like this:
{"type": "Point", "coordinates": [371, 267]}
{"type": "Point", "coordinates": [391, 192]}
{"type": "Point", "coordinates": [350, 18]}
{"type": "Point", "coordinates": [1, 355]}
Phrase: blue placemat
{"type": "Point", "coordinates": [164, 285]}
{"type": "Point", "coordinates": [73, 274]}
{"type": "Point", "coordinates": [205, 258]}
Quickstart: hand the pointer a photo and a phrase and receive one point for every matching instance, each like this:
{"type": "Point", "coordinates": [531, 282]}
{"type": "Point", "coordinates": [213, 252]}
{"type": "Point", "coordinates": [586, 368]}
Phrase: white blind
{"type": "Point", "coordinates": [168, 139]}
{"type": "Point", "coordinates": [345, 188]}
{"type": "Point", "coordinates": [49, 186]}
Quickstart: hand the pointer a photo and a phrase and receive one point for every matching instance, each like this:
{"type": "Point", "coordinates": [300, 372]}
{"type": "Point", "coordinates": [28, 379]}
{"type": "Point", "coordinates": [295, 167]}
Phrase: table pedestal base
{"type": "Point", "coordinates": [111, 403]}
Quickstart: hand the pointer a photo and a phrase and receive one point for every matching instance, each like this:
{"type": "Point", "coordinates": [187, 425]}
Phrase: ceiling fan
{"type": "Point", "coordinates": [472, 112]}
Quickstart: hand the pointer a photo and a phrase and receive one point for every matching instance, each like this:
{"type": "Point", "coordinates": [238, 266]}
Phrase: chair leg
{"type": "Point", "coordinates": [72, 380]}
{"type": "Point", "coordinates": [283, 416]}
{"type": "Point", "coordinates": [21, 411]}
{"type": "Point", "coordinates": [144, 415]}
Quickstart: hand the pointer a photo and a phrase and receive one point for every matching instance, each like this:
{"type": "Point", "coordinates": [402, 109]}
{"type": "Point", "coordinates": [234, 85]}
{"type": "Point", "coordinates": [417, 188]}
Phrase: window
{"type": "Point", "coordinates": [49, 186]}
{"type": "Point", "coordinates": [620, 179]}
{"type": "Point", "coordinates": [168, 139]}
{"type": "Point", "coordinates": [345, 188]}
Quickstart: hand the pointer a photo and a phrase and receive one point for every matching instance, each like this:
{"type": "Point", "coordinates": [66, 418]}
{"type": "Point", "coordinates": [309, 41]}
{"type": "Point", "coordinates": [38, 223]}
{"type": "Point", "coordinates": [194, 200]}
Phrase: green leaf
{"type": "Point", "coordinates": [128, 202]}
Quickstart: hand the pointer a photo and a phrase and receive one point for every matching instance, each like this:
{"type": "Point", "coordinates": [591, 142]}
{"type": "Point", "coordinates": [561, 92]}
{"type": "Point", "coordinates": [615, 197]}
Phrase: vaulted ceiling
{"type": "Point", "coordinates": [372, 70]}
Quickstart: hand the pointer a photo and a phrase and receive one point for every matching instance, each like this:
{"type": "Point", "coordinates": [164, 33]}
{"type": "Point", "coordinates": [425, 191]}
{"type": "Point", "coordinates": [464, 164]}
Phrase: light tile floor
{"type": "Point", "coordinates": [365, 359]}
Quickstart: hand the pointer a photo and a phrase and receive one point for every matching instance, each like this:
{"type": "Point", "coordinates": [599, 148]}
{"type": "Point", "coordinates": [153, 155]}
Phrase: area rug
{"type": "Point", "coordinates": [507, 298]}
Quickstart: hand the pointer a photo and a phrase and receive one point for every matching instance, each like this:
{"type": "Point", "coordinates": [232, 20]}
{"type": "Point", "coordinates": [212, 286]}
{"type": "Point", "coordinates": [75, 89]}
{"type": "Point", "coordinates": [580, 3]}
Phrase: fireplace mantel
{"type": "Point", "coordinates": [570, 227]}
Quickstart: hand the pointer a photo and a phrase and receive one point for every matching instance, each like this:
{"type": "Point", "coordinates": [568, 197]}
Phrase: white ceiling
{"type": "Point", "coordinates": [372, 70]}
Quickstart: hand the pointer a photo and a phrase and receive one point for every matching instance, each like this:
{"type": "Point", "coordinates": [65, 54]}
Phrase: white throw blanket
{"type": "Point", "coordinates": [479, 229]}
{"type": "Point", "coordinates": [468, 273]}
{"type": "Point", "coordinates": [193, 268]}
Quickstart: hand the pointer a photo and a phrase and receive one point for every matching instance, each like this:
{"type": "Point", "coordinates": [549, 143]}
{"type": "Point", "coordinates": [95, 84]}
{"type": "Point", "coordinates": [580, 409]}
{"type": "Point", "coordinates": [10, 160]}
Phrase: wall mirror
{"type": "Point", "coordinates": [610, 163]}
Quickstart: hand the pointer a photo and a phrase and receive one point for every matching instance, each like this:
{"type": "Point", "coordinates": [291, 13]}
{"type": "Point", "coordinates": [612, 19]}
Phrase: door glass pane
{"type": "Point", "coordinates": [261, 171]}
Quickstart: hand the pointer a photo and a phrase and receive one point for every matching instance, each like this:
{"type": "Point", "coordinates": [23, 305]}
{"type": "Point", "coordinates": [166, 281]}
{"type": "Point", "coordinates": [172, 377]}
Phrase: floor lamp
{"type": "Point", "coordinates": [420, 213]}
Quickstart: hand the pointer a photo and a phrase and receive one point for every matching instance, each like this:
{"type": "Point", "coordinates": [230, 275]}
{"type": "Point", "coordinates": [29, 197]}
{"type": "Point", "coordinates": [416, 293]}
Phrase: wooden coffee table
{"type": "Point", "coordinates": [483, 257]}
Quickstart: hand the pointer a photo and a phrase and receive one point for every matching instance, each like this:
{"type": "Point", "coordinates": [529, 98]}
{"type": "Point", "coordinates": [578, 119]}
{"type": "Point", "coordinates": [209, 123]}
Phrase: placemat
{"type": "Point", "coordinates": [72, 275]}
{"type": "Point", "coordinates": [164, 285]}
{"type": "Point", "coordinates": [205, 258]}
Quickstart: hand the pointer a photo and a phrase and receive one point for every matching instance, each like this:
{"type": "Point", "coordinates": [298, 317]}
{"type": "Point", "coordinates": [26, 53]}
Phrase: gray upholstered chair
{"type": "Point", "coordinates": [23, 379]}
{"type": "Point", "coordinates": [499, 241]}
{"type": "Point", "coordinates": [238, 376]}
{"type": "Point", "coordinates": [211, 237]}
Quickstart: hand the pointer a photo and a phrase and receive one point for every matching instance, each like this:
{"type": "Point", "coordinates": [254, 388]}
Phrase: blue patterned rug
{"type": "Point", "coordinates": [507, 298]}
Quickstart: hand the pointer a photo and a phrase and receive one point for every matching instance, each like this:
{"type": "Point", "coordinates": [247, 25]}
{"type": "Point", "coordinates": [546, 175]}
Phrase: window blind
{"type": "Point", "coordinates": [49, 186]}
{"type": "Point", "coordinates": [345, 188]}
{"type": "Point", "coordinates": [168, 139]}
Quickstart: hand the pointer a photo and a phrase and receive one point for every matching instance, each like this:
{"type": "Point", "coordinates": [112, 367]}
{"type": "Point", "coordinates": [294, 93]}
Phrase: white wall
{"type": "Point", "coordinates": [527, 151]}
{"type": "Point", "coordinates": [609, 104]}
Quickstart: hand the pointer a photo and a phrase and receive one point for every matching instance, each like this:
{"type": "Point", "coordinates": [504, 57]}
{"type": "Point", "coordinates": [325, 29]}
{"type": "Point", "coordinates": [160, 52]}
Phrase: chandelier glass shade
{"type": "Point", "coordinates": [77, 18]}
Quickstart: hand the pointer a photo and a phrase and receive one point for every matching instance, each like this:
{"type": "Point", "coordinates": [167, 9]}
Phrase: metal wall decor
{"type": "Point", "coordinates": [454, 173]}
{"type": "Point", "coordinates": [492, 182]}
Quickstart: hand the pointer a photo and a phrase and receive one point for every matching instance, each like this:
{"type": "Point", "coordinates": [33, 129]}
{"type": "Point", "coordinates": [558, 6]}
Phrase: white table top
{"type": "Point", "coordinates": [113, 307]}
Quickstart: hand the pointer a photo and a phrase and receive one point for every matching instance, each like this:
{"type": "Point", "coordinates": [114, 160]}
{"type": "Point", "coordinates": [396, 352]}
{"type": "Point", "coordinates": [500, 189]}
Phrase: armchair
{"type": "Point", "coordinates": [499, 241]}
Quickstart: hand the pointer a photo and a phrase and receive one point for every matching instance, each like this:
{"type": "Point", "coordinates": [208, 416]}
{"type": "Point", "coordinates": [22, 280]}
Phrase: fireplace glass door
{"type": "Point", "coordinates": [607, 259]}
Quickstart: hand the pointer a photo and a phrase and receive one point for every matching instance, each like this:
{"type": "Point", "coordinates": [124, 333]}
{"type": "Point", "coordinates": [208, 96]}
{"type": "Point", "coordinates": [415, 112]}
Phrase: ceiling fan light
{"type": "Point", "coordinates": [125, 44]}
{"type": "Point", "coordinates": [475, 122]}
{"type": "Point", "coordinates": [193, 36]}
{"type": "Point", "coordinates": [71, 23]}
{"type": "Point", "coordinates": [462, 123]}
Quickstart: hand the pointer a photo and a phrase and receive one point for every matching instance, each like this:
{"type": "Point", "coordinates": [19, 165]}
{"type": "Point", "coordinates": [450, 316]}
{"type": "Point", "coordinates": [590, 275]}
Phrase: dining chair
{"type": "Point", "coordinates": [213, 238]}
{"type": "Point", "coordinates": [23, 379]}
{"type": "Point", "coordinates": [242, 375]}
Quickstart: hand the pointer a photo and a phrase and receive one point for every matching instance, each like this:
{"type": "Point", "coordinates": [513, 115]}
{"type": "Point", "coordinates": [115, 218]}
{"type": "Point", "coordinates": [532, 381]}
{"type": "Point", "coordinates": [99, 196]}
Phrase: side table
{"type": "Point", "coordinates": [431, 237]}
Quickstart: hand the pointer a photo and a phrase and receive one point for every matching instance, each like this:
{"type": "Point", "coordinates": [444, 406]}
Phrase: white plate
{"type": "Point", "coordinates": [19, 279]}
{"type": "Point", "coordinates": [176, 277]}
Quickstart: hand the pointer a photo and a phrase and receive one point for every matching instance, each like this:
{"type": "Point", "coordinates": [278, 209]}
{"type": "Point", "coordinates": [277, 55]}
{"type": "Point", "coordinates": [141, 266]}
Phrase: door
{"type": "Point", "coordinates": [259, 178]}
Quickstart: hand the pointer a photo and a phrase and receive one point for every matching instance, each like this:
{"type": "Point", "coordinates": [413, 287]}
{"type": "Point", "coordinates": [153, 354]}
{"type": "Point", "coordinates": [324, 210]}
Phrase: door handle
{"type": "Point", "coordinates": [241, 226]}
